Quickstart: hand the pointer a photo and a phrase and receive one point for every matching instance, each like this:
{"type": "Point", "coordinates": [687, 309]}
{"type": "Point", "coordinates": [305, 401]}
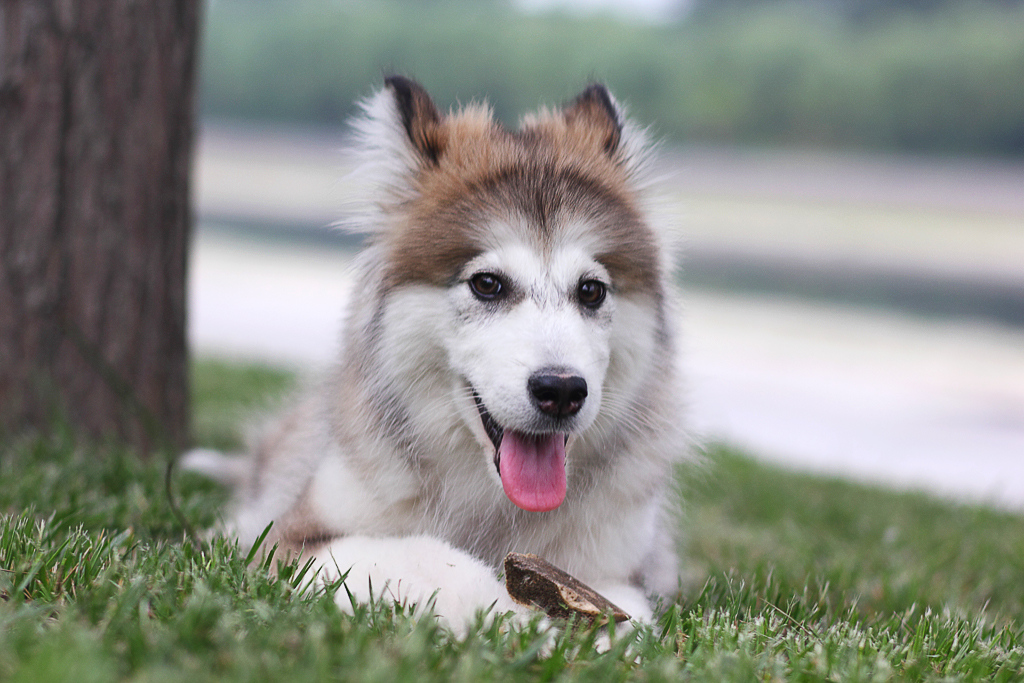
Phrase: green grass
{"type": "Point", "coordinates": [797, 578]}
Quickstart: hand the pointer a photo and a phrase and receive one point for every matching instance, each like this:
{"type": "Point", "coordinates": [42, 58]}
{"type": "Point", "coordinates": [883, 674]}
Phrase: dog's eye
{"type": "Point", "coordinates": [591, 293]}
{"type": "Point", "coordinates": [486, 286]}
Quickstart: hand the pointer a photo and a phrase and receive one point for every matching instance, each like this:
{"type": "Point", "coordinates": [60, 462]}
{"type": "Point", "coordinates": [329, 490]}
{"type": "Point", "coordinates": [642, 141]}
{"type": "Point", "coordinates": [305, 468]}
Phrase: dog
{"type": "Point", "coordinates": [507, 380]}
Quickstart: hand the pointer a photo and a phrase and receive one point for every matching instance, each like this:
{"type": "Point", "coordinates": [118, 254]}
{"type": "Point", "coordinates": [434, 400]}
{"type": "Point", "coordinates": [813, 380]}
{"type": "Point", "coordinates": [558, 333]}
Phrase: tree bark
{"type": "Point", "coordinates": [96, 131]}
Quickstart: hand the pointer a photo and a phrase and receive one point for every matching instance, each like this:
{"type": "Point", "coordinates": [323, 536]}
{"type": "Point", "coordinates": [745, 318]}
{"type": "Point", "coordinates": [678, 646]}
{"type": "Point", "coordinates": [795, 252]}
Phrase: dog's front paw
{"type": "Point", "coordinates": [420, 572]}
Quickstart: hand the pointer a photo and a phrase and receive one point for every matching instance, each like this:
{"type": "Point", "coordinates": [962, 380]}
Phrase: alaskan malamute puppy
{"type": "Point", "coordinates": [507, 378]}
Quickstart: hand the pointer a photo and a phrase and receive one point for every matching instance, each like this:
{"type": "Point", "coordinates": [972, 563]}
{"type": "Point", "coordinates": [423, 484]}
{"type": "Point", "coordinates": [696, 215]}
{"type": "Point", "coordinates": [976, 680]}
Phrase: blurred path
{"type": "Point", "coordinates": [920, 404]}
{"type": "Point", "coordinates": [933, 404]}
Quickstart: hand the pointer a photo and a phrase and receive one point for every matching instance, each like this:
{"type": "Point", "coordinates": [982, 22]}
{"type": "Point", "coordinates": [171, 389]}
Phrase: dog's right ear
{"type": "Point", "coordinates": [400, 134]}
{"type": "Point", "coordinates": [419, 117]}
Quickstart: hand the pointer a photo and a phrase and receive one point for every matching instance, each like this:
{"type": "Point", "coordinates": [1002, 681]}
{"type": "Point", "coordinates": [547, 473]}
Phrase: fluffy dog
{"type": "Point", "coordinates": [507, 380]}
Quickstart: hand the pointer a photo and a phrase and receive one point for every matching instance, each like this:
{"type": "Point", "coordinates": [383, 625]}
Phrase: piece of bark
{"type": "Point", "coordinates": [535, 582]}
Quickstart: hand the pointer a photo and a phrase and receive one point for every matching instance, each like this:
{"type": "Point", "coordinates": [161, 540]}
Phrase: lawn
{"type": "Point", "coordinates": [791, 577]}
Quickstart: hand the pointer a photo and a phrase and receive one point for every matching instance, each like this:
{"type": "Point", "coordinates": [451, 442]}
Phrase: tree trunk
{"type": "Point", "coordinates": [96, 129]}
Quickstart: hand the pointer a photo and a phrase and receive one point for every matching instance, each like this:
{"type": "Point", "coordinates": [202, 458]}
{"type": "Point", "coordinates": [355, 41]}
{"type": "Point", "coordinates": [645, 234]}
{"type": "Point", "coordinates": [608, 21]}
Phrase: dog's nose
{"type": "Point", "coordinates": [558, 395]}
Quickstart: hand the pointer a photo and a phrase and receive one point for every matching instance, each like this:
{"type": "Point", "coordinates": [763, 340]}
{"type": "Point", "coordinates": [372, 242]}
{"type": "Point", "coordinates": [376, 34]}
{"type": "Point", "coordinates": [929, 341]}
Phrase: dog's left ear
{"type": "Point", "coordinates": [596, 109]}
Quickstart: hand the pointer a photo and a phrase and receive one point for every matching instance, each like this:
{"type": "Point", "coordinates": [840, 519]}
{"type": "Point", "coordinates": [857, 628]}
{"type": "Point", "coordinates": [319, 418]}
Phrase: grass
{"type": "Point", "coordinates": [798, 578]}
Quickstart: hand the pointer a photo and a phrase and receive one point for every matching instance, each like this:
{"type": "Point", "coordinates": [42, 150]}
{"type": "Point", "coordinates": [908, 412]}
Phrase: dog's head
{"type": "Point", "coordinates": [525, 287]}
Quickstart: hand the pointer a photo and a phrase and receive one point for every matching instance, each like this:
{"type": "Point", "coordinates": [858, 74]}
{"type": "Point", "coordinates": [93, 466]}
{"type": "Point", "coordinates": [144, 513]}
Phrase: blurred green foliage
{"type": "Point", "coordinates": [774, 73]}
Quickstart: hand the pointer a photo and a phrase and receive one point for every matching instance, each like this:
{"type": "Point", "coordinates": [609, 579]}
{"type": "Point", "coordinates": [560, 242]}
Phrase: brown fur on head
{"type": "Point", "coordinates": [464, 169]}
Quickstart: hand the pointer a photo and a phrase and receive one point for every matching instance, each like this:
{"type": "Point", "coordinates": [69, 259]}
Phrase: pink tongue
{"type": "Point", "coordinates": [533, 470]}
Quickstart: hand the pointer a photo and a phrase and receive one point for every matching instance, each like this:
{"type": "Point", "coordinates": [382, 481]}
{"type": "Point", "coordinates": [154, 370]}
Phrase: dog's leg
{"type": "Point", "coordinates": [629, 598]}
{"type": "Point", "coordinates": [634, 603]}
{"type": "Point", "coordinates": [421, 571]}
{"type": "Point", "coordinates": [230, 470]}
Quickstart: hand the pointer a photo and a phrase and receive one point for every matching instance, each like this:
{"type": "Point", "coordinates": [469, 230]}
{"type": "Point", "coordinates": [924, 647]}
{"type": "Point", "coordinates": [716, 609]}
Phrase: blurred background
{"type": "Point", "coordinates": [848, 177]}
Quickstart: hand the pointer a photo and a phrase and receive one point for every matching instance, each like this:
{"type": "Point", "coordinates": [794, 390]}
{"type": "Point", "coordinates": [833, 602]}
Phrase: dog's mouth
{"type": "Point", "coordinates": [531, 466]}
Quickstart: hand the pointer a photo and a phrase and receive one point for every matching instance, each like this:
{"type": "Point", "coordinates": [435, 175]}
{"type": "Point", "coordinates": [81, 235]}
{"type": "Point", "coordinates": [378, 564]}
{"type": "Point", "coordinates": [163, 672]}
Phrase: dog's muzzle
{"type": "Point", "coordinates": [531, 463]}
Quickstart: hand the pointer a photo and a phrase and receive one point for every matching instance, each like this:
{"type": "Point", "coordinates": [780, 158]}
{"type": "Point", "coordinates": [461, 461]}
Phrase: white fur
{"type": "Point", "coordinates": [420, 572]}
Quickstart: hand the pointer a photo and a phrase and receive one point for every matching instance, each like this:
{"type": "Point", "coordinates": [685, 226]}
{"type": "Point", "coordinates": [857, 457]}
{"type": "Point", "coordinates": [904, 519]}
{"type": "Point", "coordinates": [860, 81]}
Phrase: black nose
{"type": "Point", "coordinates": [558, 395]}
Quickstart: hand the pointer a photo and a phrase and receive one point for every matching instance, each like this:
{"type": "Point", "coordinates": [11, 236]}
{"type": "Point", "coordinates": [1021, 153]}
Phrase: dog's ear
{"type": "Point", "coordinates": [399, 135]}
{"type": "Point", "coordinates": [596, 109]}
{"type": "Point", "coordinates": [419, 117]}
